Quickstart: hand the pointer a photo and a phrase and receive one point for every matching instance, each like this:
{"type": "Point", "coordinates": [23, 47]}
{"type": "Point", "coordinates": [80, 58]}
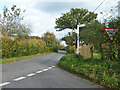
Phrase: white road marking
{"type": "Point", "coordinates": [53, 66]}
{"type": "Point", "coordinates": [45, 69]}
{"type": "Point", "coordinates": [31, 74]}
{"type": "Point", "coordinates": [38, 71]}
{"type": "Point", "coordinates": [20, 78]}
{"type": "Point", "coordinates": [49, 67]}
{"type": "Point", "coordinates": [5, 83]}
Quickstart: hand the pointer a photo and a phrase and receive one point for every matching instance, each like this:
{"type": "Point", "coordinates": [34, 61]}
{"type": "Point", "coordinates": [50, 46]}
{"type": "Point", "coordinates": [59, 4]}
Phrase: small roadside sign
{"type": "Point", "coordinates": [110, 33]}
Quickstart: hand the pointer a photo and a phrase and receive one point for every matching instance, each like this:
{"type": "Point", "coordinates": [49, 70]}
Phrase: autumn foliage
{"type": "Point", "coordinates": [16, 48]}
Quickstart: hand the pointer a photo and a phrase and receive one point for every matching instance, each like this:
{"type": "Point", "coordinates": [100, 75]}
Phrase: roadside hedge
{"type": "Point", "coordinates": [16, 48]}
{"type": "Point", "coordinates": [70, 49]}
{"type": "Point", "coordinates": [54, 48]}
{"type": "Point", "coordinates": [104, 73]}
{"type": "Point", "coordinates": [61, 47]}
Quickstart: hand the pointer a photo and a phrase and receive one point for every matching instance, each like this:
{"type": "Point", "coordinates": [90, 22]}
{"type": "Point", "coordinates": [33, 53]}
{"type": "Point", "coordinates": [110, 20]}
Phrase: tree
{"type": "Point", "coordinates": [49, 38]}
{"type": "Point", "coordinates": [23, 31]}
{"type": "Point", "coordinates": [57, 41]}
{"type": "Point", "coordinates": [115, 23]}
{"type": "Point", "coordinates": [35, 37]}
{"type": "Point", "coordinates": [12, 22]}
{"type": "Point", "coordinates": [3, 31]}
{"type": "Point", "coordinates": [76, 16]}
{"type": "Point", "coordinates": [70, 39]}
{"type": "Point", "coordinates": [94, 34]}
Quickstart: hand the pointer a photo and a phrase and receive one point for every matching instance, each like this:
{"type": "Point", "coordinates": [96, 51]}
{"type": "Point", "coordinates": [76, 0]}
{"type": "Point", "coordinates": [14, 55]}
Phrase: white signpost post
{"type": "Point", "coordinates": [77, 39]}
{"type": "Point", "coordinates": [80, 25]}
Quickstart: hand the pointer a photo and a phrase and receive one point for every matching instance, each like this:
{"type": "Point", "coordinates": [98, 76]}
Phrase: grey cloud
{"type": "Point", "coordinates": [60, 7]}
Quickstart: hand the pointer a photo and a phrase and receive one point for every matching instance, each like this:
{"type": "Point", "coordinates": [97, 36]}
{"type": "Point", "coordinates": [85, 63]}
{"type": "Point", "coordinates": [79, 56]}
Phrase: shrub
{"type": "Point", "coordinates": [61, 47]}
{"type": "Point", "coordinates": [16, 48]}
{"type": "Point", "coordinates": [104, 73]}
{"type": "Point", "coordinates": [54, 48]}
{"type": "Point", "coordinates": [70, 49]}
{"type": "Point", "coordinates": [0, 43]}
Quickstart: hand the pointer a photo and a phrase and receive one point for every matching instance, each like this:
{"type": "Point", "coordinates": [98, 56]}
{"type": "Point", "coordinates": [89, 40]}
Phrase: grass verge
{"type": "Point", "coordinates": [8, 60]}
{"type": "Point", "coordinates": [96, 55]}
{"type": "Point", "coordinates": [104, 73]}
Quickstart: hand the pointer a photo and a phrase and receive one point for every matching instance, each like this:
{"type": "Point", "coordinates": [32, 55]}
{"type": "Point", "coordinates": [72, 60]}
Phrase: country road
{"type": "Point", "coordinates": [40, 72]}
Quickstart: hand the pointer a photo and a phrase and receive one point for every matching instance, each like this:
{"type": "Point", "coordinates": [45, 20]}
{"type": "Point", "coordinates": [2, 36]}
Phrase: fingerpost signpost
{"type": "Point", "coordinates": [79, 25]}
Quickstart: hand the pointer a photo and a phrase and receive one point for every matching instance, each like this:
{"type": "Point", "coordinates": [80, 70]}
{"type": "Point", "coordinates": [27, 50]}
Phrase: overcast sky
{"type": "Point", "coordinates": [41, 14]}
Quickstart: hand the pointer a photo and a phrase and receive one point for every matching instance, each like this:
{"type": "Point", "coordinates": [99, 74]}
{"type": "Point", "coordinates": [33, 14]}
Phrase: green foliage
{"type": "Point", "coordinates": [104, 73]}
{"type": "Point", "coordinates": [61, 47]}
{"type": "Point", "coordinates": [70, 49]}
{"type": "Point", "coordinates": [115, 23]}
{"type": "Point", "coordinates": [94, 33]}
{"type": "Point", "coordinates": [8, 60]}
{"type": "Point", "coordinates": [35, 37]}
{"type": "Point", "coordinates": [0, 47]}
{"type": "Point", "coordinates": [96, 55]}
{"type": "Point", "coordinates": [49, 38]}
{"type": "Point", "coordinates": [70, 39]}
{"type": "Point", "coordinates": [54, 48]}
{"type": "Point", "coordinates": [73, 18]}
{"type": "Point", "coordinates": [16, 48]}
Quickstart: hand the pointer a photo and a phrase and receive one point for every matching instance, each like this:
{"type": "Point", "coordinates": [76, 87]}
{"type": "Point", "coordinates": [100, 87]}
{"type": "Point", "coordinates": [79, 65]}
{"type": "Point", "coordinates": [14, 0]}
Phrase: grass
{"type": "Point", "coordinates": [96, 55]}
{"type": "Point", "coordinates": [104, 73]}
{"type": "Point", "coordinates": [8, 60]}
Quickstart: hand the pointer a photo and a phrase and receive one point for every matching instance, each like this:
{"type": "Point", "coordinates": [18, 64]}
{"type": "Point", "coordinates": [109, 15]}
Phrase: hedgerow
{"type": "Point", "coordinates": [70, 49]}
{"type": "Point", "coordinates": [104, 73]}
{"type": "Point", "coordinates": [16, 48]}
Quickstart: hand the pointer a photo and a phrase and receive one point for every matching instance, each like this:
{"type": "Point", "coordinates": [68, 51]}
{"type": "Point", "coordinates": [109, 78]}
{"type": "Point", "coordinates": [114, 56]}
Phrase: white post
{"type": "Point", "coordinates": [77, 39]}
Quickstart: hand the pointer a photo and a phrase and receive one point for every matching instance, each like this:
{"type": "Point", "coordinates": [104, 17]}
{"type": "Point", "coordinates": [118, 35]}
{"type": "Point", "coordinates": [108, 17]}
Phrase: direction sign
{"type": "Point", "coordinates": [110, 32]}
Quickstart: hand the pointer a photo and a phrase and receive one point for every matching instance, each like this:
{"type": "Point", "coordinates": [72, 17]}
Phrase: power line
{"type": "Point", "coordinates": [113, 11]}
{"type": "Point", "coordinates": [99, 5]}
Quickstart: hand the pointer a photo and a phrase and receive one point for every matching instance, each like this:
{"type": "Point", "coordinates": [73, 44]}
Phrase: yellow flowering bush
{"type": "Point", "coordinates": [16, 48]}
